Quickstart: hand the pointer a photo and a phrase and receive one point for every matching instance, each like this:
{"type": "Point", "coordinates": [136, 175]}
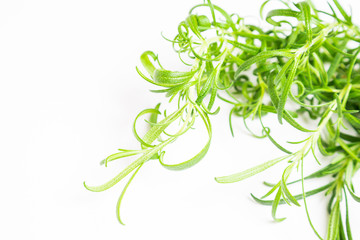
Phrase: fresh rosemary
{"type": "Point", "coordinates": [305, 56]}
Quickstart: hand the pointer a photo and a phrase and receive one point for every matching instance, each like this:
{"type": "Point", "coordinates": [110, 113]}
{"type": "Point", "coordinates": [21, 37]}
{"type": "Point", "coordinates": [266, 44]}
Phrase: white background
{"type": "Point", "coordinates": [69, 93]}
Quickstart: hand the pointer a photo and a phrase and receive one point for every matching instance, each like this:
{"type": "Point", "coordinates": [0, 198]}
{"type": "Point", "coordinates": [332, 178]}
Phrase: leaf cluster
{"type": "Point", "coordinates": [304, 64]}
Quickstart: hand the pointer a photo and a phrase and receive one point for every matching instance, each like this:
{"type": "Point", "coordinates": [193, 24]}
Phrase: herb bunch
{"type": "Point", "coordinates": [304, 64]}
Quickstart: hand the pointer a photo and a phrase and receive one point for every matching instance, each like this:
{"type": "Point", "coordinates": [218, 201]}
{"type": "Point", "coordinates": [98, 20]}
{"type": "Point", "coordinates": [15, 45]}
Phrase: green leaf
{"type": "Point", "coordinates": [341, 229]}
{"type": "Point", "coordinates": [128, 169]}
{"type": "Point", "coordinates": [261, 57]}
{"type": "Point", "coordinates": [282, 13]}
{"type": "Point", "coordinates": [284, 188]}
{"type": "Point", "coordinates": [337, 60]}
{"type": "Point", "coordinates": [261, 37]}
{"type": "Point", "coordinates": [208, 84]}
{"type": "Point", "coordinates": [220, 10]}
{"type": "Point", "coordinates": [274, 96]}
{"type": "Point", "coordinates": [212, 10]}
{"type": "Point", "coordinates": [249, 172]}
{"type": "Point", "coordinates": [194, 160]}
{"type": "Point", "coordinates": [292, 38]}
{"type": "Point", "coordinates": [156, 130]}
{"type": "Point", "coordinates": [118, 204]}
{"type": "Point", "coordinates": [172, 78]}
{"type": "Point", "coordinates": [351, 66]}
{"type": "Point", "coordinates": [148, 65]}
{"type": "Point", "coordinates": [143, 112]}
{"type": "Point", "coordinates": [335, 49]}
{"type": "Point", "coordinates": [203, 22]}
{"type": "Point", "coordinates": [348, 228]}
{"type": "Point", "coordinates": [321, 148]}
{"type": "Point", "coordinates": [348, 150]}
{"type": "Point", "coordinates": [154, 116]}
{"type": "Point", "coordinates": [245, 47]}
{"type": "Point", "coordinates": [319, 65]}
{"type": "Point", "coordinates": [306, 12]}
{"type": "Point", "coordinates": [274, 187]}
{"type": "Point", "coordinates": [349, 137]}
{"type": "Point", "coordinates": [192, 22]}
{"type": "Point", "coordinates": [354, 121]}
{"type": "Point", "coordinates": [342, 11]}
{"type": "Point", "coordinates": [333, 226]}
{"type": "Point", "coordinates": [286, 89]}
{"type": "Point", "coordinates": [262, 8]}
{"type": "Point", "coordinates": [118, 155]}
{"type": "Point", "coordinates": [356, 198]}
{"type": "Point", "coordinates": [288, 118]}
{"type": "Point", "coordinates": [275, 204]}
{"type": "Point", "coordinates": [297, 197]}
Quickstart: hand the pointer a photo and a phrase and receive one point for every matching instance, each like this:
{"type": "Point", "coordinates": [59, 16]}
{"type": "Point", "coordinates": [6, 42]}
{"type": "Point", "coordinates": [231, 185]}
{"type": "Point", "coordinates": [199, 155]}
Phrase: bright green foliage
{"type": "Point", "coordinates": [241, 64]}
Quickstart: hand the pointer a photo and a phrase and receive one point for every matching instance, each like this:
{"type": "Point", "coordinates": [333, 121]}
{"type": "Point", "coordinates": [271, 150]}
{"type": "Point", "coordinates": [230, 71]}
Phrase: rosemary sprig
{"type": "Point", "coordinates": [241, 65]}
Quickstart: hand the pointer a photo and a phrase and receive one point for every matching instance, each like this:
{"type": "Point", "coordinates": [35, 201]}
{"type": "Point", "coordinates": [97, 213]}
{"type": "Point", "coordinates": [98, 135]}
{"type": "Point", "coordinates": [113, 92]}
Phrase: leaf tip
{"type": "Point", "coordinates": [219, 179]}
{"type": "Point", "coordinates": [86, 186]}
{"type": "Point", "coordinates": [279, 219]}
